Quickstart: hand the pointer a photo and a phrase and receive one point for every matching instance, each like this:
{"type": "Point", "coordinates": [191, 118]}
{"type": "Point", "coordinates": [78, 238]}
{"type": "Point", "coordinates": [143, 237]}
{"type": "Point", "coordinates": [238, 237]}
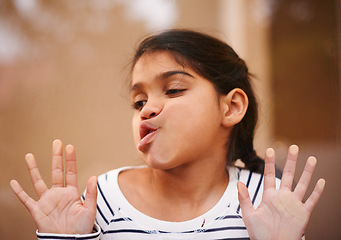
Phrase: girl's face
{"type": "Point", "coordinates": [177, 116]}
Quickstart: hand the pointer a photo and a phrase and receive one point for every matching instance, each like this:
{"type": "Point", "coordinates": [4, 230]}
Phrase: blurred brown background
{"type": "Point", "coordinates": [64, 67]}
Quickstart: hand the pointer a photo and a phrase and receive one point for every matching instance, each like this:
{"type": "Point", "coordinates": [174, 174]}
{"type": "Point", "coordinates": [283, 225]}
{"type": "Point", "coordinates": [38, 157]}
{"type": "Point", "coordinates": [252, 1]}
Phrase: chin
{"type": "Point", "coordinates": [158, 162]}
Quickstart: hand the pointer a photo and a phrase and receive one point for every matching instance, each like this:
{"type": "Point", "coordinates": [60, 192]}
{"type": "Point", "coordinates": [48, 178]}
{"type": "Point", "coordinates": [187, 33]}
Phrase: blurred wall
{"type": "Point", "coordinates": [64, 68]}
{"type": "Point", "coordinates": [305, 55]}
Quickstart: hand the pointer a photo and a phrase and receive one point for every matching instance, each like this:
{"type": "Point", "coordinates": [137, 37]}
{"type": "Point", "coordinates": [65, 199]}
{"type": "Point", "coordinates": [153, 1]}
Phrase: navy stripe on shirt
{"type": "Point", "coordinates": [126, 231]}
{"type": "Point", "coordinates": [105, 200]}
{"type": "Point", "coordinates": [121, 220]}
{"type": "Point", "coordinates": [257, 189]}
{"type": "Point", "coordinates": [102, 215]}
{"type": "Point", "coordinates": [227, 217]}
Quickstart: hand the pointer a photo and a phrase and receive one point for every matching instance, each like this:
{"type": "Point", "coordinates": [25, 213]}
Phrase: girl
{"type": "Point", "coordinates": [194, 116]}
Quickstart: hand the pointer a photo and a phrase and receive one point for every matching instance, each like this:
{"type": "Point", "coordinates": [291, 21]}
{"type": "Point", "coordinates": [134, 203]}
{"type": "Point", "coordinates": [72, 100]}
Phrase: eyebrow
{"type": "Point", "coordinates": [161, 76]}
{"type": "Point", "coordinates": [171, 73]}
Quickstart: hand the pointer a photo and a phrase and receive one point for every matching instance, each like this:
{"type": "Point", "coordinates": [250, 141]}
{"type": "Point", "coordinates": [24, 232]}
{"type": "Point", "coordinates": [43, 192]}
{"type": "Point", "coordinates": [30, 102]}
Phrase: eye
{"type": "Point", "coordinates": [174, 91]}
{"type": "Point", "coordinates": [138, 105]}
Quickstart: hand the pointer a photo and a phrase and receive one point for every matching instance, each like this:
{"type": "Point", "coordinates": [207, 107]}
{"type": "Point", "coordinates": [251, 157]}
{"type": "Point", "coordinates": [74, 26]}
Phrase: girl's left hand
{"type": "Point", "coordinates": [281, 214]}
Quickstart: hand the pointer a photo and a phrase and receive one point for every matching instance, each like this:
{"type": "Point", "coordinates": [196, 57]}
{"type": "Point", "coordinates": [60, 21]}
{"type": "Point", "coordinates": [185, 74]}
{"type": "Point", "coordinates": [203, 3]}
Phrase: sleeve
{"type": "Point", "coordinates": [54, 236]}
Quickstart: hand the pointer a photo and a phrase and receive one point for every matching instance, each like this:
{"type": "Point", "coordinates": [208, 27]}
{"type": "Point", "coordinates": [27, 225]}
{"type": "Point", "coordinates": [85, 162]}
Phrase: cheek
{"type": "Point", "coordinates": [198, 109]}
{"type": "Point", "coordinates": [193, 120]}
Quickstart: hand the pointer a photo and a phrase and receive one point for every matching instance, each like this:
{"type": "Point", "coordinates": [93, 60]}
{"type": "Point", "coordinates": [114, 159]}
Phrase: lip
{"type": "Point", "coordinates": [147, 132]}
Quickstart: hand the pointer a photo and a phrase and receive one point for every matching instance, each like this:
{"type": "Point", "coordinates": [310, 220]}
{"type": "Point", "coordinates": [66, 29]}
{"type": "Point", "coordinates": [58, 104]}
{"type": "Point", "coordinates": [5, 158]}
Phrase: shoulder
{"type": "Point", "coordinates": [113, 180]}
{"type": "Point", "coordinates": [112, 175]}
{"type": "Point", "coordinates": [122, 181]}
{"type": "Point", "coordinates": [114, 172]}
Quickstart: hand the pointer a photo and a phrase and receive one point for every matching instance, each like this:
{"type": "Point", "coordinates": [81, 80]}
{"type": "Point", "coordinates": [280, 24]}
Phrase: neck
{"type": "Point", "coordinates": [177, 194]}
{"type": "Point", "coordinates": [195, 184]}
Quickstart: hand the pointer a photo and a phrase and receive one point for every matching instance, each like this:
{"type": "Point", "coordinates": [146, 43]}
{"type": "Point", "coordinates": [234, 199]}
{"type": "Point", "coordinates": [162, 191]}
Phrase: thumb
{"type": "Point", "coordinates": [244, 199]}
{"type": "Point", "coordinates": [90, 201]}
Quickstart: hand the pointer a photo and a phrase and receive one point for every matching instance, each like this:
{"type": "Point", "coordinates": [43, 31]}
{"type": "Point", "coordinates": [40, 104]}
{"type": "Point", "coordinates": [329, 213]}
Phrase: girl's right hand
{"type": "Point", "coordinates": [59, 209]}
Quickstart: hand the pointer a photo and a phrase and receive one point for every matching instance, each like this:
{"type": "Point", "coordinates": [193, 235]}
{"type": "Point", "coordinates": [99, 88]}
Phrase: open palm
{"type": "Point", "coordinates": [281, 214]}
{"type": "Point", "coordinates": [59, 209]}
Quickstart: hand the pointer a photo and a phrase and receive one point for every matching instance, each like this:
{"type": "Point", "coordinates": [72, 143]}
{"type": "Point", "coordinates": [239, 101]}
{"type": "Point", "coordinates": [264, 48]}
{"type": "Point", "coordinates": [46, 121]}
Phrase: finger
{"type": "Point", "coordinates": [304, 181]}
{"type": "Point", "coordinates": [289, 168]}
{"type": "Point", "coordinates": [38, 183]}
{"type": "Point", "coordinates": [244, 199]}
{"type": "Point", "coordinates": [90, 201]}
{"type": "Point", "coordinates": [57, 164]}
{"type": "Point", "coordinates": [22, 195]}
{"type": "Point", "coordinates": [269, 169]}
{"type": "Point", "coordinates": [71, 166]}
{"type": "Point", "coordinates": [315, 195]}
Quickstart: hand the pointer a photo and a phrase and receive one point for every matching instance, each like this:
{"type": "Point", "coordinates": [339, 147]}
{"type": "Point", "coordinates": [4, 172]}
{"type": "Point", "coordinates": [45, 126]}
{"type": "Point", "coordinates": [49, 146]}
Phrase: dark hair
{"type": "Point", "coordinates": [217, 62]}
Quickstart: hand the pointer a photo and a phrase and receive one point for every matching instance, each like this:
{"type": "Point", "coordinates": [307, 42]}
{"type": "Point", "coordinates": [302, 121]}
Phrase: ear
{"type": "Point", "coordinates": [233, 106]}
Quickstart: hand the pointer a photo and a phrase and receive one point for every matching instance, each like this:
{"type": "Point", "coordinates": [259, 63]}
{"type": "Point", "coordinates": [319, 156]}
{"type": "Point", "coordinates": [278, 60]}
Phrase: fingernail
{"type": "Point", "coordinates": [69, 148]}
{"type": "Point", "coordinates": [321, 182]}
{"type": "Point", "coordinates": [28, 156]}
{"type": "Point", "coordinates": [57, 146]}
{"type": "Point", "coordinates": [270, 152]}
{"type": "Point", "coordinates": [293, 149]}
{"type": "Point", "coordinates": [13, 183]}
{"type": "Point", "coordinates": [312, 160]}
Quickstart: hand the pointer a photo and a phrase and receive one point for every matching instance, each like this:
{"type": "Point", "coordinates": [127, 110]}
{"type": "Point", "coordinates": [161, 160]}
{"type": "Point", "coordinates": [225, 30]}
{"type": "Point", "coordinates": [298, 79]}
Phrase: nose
{"type": "Point", "coordinates": [151, 109]}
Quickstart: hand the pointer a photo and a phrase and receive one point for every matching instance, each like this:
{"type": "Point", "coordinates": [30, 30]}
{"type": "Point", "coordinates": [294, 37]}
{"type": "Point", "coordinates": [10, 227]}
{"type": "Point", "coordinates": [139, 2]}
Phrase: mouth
{"type": "Point", "coordinates": [147, 131]}
{"type": "Point", "coordinates": [146, 128]}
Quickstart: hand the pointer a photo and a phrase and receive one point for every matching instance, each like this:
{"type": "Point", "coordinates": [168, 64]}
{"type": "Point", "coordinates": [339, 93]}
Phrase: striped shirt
{"type": "Point", "coordinates": [118, 219]}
